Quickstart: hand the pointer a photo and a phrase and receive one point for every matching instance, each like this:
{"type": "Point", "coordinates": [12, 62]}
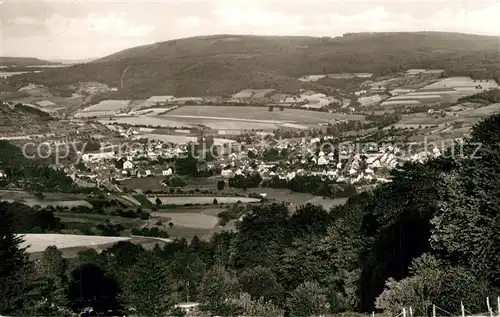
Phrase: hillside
{"type": "Point", "coordinates": [24, 61]}
{"type": "Point", "coordinates": [21, 119]}
{"type": "Point", "coordinates": [224, 64]}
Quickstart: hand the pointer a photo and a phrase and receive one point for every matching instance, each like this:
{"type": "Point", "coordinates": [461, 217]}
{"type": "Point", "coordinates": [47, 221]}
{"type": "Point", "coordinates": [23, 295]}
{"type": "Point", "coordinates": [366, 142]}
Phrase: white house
{"type": "Point", "coordinates": [226, 173]}
{"type": "Point", "coordinates": [128, 165]}
{"type": "Point", "coordinates": [167, 172]}
{"type": "Point", "coordinates": [94, 157]}
{"type": "Point", "coordinates": [188, 307]}
{"type": "Point", "coordinates": [2, 174]}
{"type": "Point", "coordinates": [322, 161]}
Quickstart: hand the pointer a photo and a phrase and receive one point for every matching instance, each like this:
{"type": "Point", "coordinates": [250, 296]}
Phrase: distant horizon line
{"type": "Point", "coordinates": [66, 60]}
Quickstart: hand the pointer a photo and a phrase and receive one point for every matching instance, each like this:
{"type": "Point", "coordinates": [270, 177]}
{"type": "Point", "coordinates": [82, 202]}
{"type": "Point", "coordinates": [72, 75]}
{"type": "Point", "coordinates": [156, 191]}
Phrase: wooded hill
{"type": "Point", "coordinates": [225, 64]}
{"type": "Point", "coordinates": [24, 61]}
{"type": "Point", "coordinates": [21, 117]}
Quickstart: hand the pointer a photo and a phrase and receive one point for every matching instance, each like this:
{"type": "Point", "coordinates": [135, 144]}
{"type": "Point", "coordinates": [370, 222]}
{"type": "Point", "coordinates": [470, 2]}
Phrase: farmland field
{"type": "Point", "coordinates": [190, 220]}
{"type": "Point", "coordinates": [233, 118]}
{"type": "Point", "coordinates": [39, 242]}
{"type": "Point", "coordinates": [286, 195]}
{"type": "Point", "coordinates": [34, 202]}
{"type": "Point", "coordinates": [51, 199]}
{"type": "Point", "coordinates": [258, 114]}
{"type": "Point", "coordinates": [147, 121]}
{"type": "Point", "coordinates": [108, 105]}
{"type": "Point", "coordinates": [282, 194]}
{"type": "Point", "coordinates": [201, 200]}
{"type": "Point", "coordinates": [180, 139]}
{"type": "Point", "coordinates": [481, 112]}
{"type": "Point", "coordinates": [90, 114]}
{"type": "Point", "coordinates": [327, 204]}
{"type": "Point", "coordinates": [150, 112]}
{"type": "Point", "coordinates": [145, 183]}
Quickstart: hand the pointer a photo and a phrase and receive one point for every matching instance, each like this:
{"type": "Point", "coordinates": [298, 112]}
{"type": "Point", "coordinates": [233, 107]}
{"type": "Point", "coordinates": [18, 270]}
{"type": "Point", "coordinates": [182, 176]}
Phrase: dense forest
{"type": "Point", "coordinates": [428, 237]}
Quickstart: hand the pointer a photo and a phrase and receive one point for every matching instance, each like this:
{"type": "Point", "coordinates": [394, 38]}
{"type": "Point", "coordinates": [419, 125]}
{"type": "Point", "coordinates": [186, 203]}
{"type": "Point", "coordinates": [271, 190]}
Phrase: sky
{"type": "Point", "coordinates": [81, 29]}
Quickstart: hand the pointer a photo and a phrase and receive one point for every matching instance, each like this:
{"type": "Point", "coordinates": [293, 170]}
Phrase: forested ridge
{"type": "Point", "coordinates": [226, 64]}
{"type": "Point", "coordinates": [428, 237]}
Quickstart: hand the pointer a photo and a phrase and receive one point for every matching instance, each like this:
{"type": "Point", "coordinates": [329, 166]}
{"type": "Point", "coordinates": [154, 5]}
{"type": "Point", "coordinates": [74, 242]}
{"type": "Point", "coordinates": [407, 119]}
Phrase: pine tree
{"type": "Point", "coordinates": [50, 284]}
{"type": "Point", "coordinates": [146, 287]}
{"type": "Point", "coordinates": [14, 264]}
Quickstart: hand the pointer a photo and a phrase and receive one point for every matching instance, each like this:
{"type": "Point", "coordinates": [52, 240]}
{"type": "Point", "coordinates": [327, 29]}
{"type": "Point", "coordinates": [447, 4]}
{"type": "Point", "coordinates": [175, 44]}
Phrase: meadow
{"type": "Point", "coordinates": [147, 121]}
{"type": "Point", "coordinates": [50, 199]}
{"type": "Point", "coordinates": [469, 117]}
{"type": "Point", "coordinates": [297, 199]}
{"type": "Point", "coordinates": [108, 105]}
{"type": "Point", "coordinates": [201, 200]}
{"type": "Point", "coordinates": [258, 114]}
{"type": "Point", "coordinates": [150, 112]}
{"type": "Point", "coordinates": [189, 219]}
{"type": "Point", "coordinates": [180, 139]}
{"type": "Point", "coordinates": [228, 118]}
{"type": "Point", "coordinates": [91, 114]}
{"type": "Point", "coordinates": [482, 111]}
{"type": "Point", "coordinates": [39, 242]}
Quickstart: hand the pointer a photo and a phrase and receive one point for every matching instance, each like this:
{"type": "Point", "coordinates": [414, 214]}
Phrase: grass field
{"type": "Point", "coordinates": [482, 111]}
{"type": "Point", "coordinates": [143, 200]}
{"type": "Point", "coordinates": [257, 114]}
{"type": "Point", "coordinates": [201, 200]}
{"type": "Point", "coordinates": [180, 139]}
{"type": "Point", "coordinates": [43, 240]}
{"type": "Point", "coordinates": [234, 118]}
{"type": "Point", "coordinates": [51, 199]}
{"type": "Point", "coordinates": [39, 242]}
{"type": "Point", "coordinates": [108, 105]}
{"type": "Point", "coordinates": [70, 217]}
{"type": "Point", "coordinates": [190, 220]}
{"type": "Point", "coordinates": [42, 203]}
{"type": "Point", "coordinates": [298, 199]}
{"type": "Point", "coordinates": [145, 183]}
{"type": "Point", "coordinates": [469, 117]}
{"type": "Point", "coordinates": [157, 121]}
{"type": "Point", "coordinates": [327, 203]}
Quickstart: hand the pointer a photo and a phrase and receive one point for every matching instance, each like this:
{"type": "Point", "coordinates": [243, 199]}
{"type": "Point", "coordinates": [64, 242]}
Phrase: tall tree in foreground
{"type": "Point", "coordinates": [50, 284]}
{"type": "Point", "coordinates": [308, 299]}
{"type": "Point", "coordinates": [260, 283]}
{"type": "Point", "coordinates": [468, 223]}
{"type": "Point", "coordinates": [259, 307]}
{"type": "Point", "coordinates": [147, 287]}
{"type": "Point", "coordinates": [218, 290]}
{"type": "Point", "coordinates": [434, 281]}
{"type": "Point", "coordinates": [14, 265]}
{"type": "Point", "coordinates": [91, 286]}
{"type": "Point", "coordinates": [187, 268]}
